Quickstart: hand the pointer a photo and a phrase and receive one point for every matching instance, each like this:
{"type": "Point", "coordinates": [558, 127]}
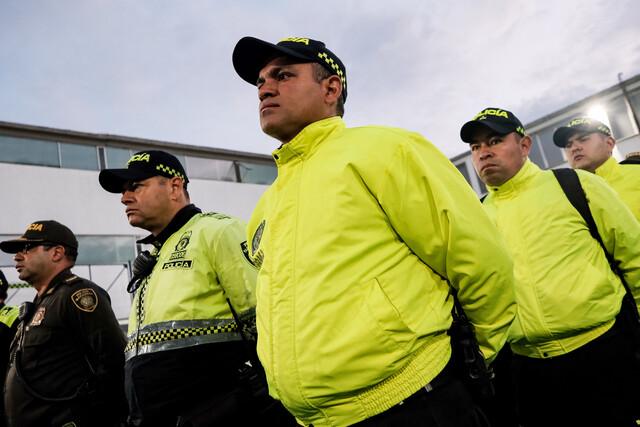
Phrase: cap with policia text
{"type": "Point", "coordinates": [583, 124]}
{"type": "Point", "coordinates": [251, 55]}
{"type": "Point", "coordinates": [143, 165]}
{"type": "Point", "coordinates": [42, 232]}
{"type": "Point", "coordinates": [496, 119]}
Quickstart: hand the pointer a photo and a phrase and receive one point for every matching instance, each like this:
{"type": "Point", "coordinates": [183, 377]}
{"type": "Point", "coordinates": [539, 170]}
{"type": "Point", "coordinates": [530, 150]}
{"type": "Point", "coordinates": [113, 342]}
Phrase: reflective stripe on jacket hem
{"type": "Point", "coordinates": [177, 334]}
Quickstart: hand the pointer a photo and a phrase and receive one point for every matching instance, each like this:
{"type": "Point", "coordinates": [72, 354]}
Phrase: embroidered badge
{"type": "Point", "coordinates": [38, 317]}
{"type": "Point", "coordinates": [257, 236]}
{"type": "Point", "coordinates": [85, 299]}
{"type": "Point", "coordinates": [245, 252]}
{"type": "Point", "coordinates": [184, 241]}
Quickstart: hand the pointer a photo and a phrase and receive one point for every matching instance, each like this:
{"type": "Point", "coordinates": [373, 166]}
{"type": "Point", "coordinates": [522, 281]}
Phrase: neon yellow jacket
{"type": "Point", "coordinates": [355, 238]}
{"type": "Point", "coordinates": [567, 294]}
{"type": "Point", "coordinates": [625, 179]}
{"type": "Point", "coordinates": [183, 302]}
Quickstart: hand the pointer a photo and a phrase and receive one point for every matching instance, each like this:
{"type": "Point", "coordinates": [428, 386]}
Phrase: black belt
{"type": "Point", "coordinates": [445, 376]}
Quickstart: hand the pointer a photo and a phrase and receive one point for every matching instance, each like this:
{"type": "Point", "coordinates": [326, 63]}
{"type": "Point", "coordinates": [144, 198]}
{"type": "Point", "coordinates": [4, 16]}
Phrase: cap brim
{"type": "Point", "coordinates": [469, 128]}
{"type": "Point", "coordinates": [15, 245]}
{"type": "Point", "coordinates": [251, 55]}
{"type": "Point", "coordinates": [561, 136]}
{"type": "Point", "coordinates": [113, 180]}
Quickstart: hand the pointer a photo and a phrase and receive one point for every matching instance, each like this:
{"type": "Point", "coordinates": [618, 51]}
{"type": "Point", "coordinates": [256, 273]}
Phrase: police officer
{"type": "Point", "coordinates": [359, 240]}
{"type": "Point", "coordinates": [66, 365]}
{"type": "Point", "coordinates": [8, 328]}
{"type": "Point", "coordinates": [588, 144]}
{"type": "Point", "coordinates": [573, 362]}
{"type": "Point", "coordinates": [186, 352]}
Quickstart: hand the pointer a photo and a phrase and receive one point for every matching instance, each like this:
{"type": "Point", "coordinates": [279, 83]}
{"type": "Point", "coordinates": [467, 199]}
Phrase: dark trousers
{"type": "Point", "coordinates": [595, 385]}
{"type": "Point", "coordinates": [449, 405]}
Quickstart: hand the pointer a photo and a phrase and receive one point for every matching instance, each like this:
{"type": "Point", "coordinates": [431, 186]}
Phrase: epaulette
{"type": "Point", "coordinates": [216, 215]}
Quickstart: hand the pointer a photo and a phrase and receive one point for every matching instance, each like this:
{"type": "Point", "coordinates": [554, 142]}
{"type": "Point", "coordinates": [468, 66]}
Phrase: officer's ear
{"type": "Point", "coordinates": [525, 145]}
{"type": "Point", "coordinates": [57, 253]}
{"type": "Point", "coordinates": [177, 186]}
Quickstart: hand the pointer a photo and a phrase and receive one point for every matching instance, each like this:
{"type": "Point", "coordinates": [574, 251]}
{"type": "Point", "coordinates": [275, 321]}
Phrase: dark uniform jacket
{"type": "Point", "coordinates": [8, 327]}
{"type": "Point", "coordinates": [70, 342]}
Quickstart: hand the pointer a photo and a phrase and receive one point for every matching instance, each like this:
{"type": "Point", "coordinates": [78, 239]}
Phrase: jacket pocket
{"type": "Point", "coordinates": [386, 321]}
{"type": "Point", "coordinates": [35, 340]}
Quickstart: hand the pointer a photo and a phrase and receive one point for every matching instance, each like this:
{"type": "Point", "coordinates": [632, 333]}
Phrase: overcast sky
{"type": "Point", "coordinates": [162, 69]}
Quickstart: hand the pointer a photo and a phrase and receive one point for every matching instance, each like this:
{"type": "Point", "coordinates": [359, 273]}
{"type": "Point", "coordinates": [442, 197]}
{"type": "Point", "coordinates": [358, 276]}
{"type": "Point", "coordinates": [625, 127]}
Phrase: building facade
{"type": "Point", "coordinates": [53, 174]}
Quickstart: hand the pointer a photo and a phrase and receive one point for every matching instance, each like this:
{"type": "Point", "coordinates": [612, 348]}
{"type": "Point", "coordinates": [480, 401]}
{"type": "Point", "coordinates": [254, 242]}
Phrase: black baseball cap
{"type": "Point", "coordinates": [251, 55]}
{"type": "Point", "coordinates": [496, 119]}
{"type": "Point", "coordinates": [48, 231]}
{"type": "Point", "coordinates": [142, 165]}
{"type": "Point", "coordinates": [4, 285]}
{"type": "Point", "coordinates": [582, 124]}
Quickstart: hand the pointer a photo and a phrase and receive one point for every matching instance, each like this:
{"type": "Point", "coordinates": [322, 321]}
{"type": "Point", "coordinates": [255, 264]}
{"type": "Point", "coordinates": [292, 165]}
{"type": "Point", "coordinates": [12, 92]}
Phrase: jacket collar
{"type": "Point", "coordinates": [524, 175]}
{"type": "Point", "coordinates": [608, 167]}
{"type": "Point", "coordinates": [182, 217]}
{"type": "Point", "coordinates": [306, 142]}
{"type": "Point", "coordinates": [63, 277]}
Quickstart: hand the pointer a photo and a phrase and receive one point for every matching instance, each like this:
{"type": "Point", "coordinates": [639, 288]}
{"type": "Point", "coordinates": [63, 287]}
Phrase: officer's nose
{"type": "Point", "coordinates": [485, 152]}
{"type": "Point", "coordinates": [127, 197]}
{"type": "Point", "coordinates": [266, 90]}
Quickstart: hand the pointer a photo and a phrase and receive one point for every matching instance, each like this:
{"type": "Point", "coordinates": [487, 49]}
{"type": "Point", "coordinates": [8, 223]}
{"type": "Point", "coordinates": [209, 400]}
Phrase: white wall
{"type": "Point", "coordinates": [76, 199]}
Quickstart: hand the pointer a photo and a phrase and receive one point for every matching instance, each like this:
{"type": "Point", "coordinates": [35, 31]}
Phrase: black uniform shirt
{"type": "Point", "coordinates": [72, 324]}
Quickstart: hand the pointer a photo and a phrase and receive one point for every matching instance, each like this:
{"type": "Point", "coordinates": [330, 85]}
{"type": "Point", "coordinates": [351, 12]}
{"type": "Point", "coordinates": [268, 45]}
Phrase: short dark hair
{"type": "Point", "coordinates": [71, 254]}
{"type": "Point", "coordinates": [319, 74]}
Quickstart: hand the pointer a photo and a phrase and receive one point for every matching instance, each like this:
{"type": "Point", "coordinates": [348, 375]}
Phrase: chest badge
{"type": "Point", "coordinates": [38, 317]}
{"type": "Point", "coordinates": [85, 299]}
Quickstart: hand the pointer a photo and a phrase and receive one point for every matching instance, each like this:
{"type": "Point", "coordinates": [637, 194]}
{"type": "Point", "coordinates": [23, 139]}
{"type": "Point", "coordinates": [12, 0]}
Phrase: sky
{"type": "Point", "coordinates": [161, 70]}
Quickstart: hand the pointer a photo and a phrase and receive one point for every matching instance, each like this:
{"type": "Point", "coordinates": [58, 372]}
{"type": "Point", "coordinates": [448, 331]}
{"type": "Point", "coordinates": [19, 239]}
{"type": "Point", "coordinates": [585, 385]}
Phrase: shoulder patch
{"type": "Point", "coordinates": [245, 252]}
{"type": "Point", "coordinates": [85, 299]}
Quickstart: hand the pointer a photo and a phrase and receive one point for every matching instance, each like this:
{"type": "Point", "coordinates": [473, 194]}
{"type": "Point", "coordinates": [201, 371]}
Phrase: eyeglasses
{"type": "Point", "coordinates": [28, 246]}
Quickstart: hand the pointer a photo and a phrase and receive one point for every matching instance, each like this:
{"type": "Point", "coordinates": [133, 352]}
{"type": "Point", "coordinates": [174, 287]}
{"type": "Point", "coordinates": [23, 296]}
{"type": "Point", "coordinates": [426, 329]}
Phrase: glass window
{"type": "Point", "coordinates": [634, 99]}
{"type": "Point", "coordinates": [257, 174]}
{"type": "Point", "coordinates": [220, 170]}
{"type": "Point", "coordinates": [462, 167]}
{"type": "Point", "coordinates": [105, 249]}
{"type": "Point", "coordinates": [552, 152]}
{"type": "Point", "coordinates": [117, 158]}
{"type": "Point", "coordinates": [74, 156]}
{"type": "Point", "coordinates": [619, 119]}
{"type": "Point", "coordinates": [535, 155]}
{"type": "Point", "coordinates": [28, 151]}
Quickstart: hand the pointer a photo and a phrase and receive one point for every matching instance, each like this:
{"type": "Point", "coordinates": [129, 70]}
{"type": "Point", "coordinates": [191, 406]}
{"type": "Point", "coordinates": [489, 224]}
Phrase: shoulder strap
{"type": "Point", "coordinates": [570, 183]}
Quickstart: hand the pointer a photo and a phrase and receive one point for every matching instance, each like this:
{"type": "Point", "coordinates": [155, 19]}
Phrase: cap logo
{"type": "Point", "coordinates": [142, 157]}
{"type": "Point", "coordinates": [35, 227]}
{"type": "Point", "coordinates": [576, 122]}
{"type": "Point", "coordinates": [586, 121]}
{"type": "Point", "coordinates": [296, 40]}
{"type": "Point", "coordinates": [491, 112]}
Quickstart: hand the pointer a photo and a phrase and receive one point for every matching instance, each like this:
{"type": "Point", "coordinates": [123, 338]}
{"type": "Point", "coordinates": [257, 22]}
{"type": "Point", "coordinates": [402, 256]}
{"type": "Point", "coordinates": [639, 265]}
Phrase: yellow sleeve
{"type": "Point", "coordinates": [236, 273]}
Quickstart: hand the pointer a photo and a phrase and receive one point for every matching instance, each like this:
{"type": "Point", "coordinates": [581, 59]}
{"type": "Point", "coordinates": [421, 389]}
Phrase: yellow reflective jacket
{"type": "Point", "coordinates": [625, 179]}
{"type": "Point", "coordinates": [566, 292]}
{"type": "Point", "coordinates": [357, 239]}
{"type": "Point", "coordinates": [183, 303]}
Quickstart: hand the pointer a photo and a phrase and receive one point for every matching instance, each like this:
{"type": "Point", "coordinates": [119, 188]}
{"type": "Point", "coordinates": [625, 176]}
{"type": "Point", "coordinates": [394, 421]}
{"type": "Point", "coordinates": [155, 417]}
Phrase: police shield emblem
{"type": "Point", "coordinates": [85, 299]}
